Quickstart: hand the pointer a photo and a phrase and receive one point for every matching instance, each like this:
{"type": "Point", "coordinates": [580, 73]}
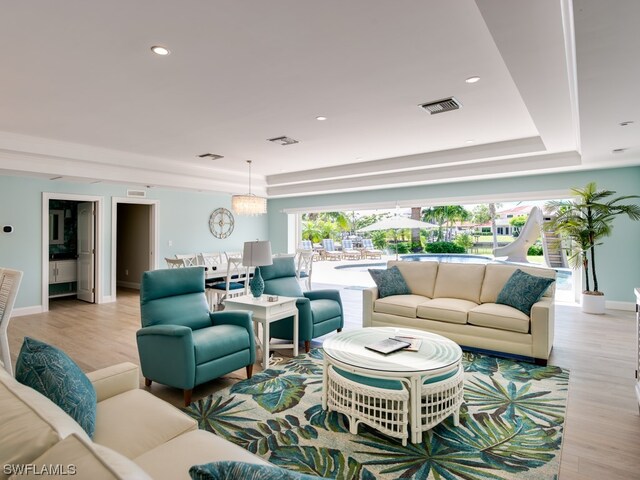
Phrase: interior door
{"type": "Point", "coordinates": [86, 252]}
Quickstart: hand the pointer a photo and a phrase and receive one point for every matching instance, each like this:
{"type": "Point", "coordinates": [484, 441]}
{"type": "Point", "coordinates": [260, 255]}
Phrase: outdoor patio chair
{"type": "Point", "coordinates": [319, 311]}
{"type": "Point", "coordinates": [369, 250]}
{"type": "Point", "coordinates": [349, 252]}
{"type": "Point", "coordinates": [330, 252]}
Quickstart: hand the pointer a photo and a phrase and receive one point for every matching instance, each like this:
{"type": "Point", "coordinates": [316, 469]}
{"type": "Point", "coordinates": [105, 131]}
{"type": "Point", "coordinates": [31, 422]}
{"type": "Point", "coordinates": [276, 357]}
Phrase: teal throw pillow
{"type": "Point", "coordinates": [389, 282]}
{"type": "Point", "coordinates": [523, 290]}
{"type": "Point", "coordinates": [245, 471]}
{"type": "Point", "coordinates": [51, 372]}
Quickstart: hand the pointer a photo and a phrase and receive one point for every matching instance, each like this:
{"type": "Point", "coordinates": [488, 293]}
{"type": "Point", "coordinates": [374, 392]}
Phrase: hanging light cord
{"type": "Point", "coordinates": [249, 162]}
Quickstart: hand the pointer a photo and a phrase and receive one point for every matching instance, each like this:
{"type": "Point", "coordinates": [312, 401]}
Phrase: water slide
{"type": "Point", "coordinates": [517, 250]}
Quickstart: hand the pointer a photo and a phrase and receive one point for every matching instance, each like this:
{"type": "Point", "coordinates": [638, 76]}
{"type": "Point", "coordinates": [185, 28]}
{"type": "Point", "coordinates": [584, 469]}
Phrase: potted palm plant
{"type": "Point", "coordinates": [585, 221]}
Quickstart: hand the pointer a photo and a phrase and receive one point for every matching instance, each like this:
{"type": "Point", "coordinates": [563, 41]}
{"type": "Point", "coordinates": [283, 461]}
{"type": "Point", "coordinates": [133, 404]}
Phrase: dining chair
{"type": "Point", "coordinates": [211, 263]}
{"type": "Point", "coordinates": [9, 285]}
{"type": "Point", "coordinates": [174, 262]}
{"type": "Point", "coordinates": [236, 281]}
{"type": "Point", "coordinates": [190, 259]}
{"type": "Point", "coordinates": [304, 266]}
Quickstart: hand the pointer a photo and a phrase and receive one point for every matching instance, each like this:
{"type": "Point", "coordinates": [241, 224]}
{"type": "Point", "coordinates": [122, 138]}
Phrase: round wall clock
{"type": "Point", "coordinates": [221, 223]}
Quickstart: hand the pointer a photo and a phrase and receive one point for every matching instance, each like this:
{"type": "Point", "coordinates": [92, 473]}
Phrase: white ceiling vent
{"type": "Point", "coordinates": [440, 106]}
{"type": "Point", "coordinates": [212, 156]}
{"type": "Point", "coordinates": [136, 193]}
{"type": "Point", "coordinates": [283, 140]}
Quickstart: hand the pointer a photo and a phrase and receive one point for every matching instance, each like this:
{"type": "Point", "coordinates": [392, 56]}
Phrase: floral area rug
{"type": "Point", "coordinates": [511, 425]}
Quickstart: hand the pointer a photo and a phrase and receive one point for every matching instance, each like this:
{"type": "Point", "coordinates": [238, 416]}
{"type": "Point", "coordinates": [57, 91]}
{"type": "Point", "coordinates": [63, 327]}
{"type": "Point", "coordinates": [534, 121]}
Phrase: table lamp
{"type": "Point", "coordinates": [257, 254]}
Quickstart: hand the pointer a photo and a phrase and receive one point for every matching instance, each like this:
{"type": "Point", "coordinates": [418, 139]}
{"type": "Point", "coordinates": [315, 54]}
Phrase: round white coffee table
{"type": "Point", "coordinates": [390, 392]}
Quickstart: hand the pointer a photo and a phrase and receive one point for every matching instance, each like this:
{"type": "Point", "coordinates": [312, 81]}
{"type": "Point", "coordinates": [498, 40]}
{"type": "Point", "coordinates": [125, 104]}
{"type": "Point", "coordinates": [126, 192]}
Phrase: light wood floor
{"type": "Point", "coordinates": [602, 435]}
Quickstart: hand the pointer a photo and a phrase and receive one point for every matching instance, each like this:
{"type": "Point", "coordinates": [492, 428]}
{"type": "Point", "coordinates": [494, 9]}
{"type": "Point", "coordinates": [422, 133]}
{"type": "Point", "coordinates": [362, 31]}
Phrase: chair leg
{"type": "Point", "coordinates": [249, 370]}
{"type": "Point", "coordinates": [147, 382]}
{"type": "Point", "coordinates": [187, 397]}
{"type": "Point", "coordinates": [307, 346]}
{"type": "Point", "coordinates": [339, 330]}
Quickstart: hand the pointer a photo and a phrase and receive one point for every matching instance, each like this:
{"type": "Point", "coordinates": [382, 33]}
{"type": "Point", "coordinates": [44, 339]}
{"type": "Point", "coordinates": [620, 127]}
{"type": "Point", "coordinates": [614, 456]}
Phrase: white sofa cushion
{"type": "Point", "coordinates": [503, 317]}
{"type": "Point", "coordinates": [453, 310]}
{"type": "Point", "coordinates": [402, 305]}
{"type": "Point", "coordinates": [135, 422]}
{"type": "Point", "coordinates": [81, 459]}
{"type": "Point", "coordinates": [173, 459]}
{"type": "Point", "coordinates": [459, 280]}
{"type": "Point", "coordinates": [496, 275]}
{"type": "Point", "coordinates": [30, 422]}
{"type": "Point", "coordinates": [419, 276]}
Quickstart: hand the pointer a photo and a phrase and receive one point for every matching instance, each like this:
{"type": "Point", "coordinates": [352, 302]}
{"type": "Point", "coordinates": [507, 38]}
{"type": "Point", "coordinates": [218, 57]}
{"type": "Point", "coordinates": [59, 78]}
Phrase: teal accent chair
{"type": "Point", "coordinates": [319, 311]}
{"type": "Point", "coordinates": [181, 343]}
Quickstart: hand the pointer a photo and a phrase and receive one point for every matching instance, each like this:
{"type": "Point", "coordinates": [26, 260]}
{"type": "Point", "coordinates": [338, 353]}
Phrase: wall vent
{"type": "Point", "coordinates": [213, 156]}
{"type": "Point", "coordinates": [283, 140]}
{"type": "Point", "coordinates": [136, 193]}
{"type": "Point", "coordinates": [440, 106]}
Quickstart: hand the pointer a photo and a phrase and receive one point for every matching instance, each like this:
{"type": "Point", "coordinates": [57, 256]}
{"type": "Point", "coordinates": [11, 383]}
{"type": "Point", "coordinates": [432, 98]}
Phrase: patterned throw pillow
{"type": "Point", "coordinates": [245, 471]}
{"type": "Point", "coordinates": [51, 372]}
{"type": "Point", "coordinates": [389, 282]}
{"type": "Point", "coordinates": [523, 290]}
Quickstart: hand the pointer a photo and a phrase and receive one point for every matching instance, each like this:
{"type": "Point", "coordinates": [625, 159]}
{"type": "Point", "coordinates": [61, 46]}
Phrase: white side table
{"type": "Point", "coordinates": [264, 313]}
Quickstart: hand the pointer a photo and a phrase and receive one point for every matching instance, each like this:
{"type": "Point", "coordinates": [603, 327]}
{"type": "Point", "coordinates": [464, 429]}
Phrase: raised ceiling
{"type": "Point", "coordinates": [83, 97]}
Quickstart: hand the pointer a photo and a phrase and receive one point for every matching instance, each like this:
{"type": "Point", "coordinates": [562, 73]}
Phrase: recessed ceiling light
{"type": "Point", "coordinates": [624, 124]}
{"type": "Point", "coordinates": [359, 158]}
{"type": "Point", "coordinates": [321, 118]}
{"type": "Point", "coordinates": [472, 79]}
{"type": "Point", "coordinates": [469, 142]}
{"type": "Point", "coordinates": [159, 50]}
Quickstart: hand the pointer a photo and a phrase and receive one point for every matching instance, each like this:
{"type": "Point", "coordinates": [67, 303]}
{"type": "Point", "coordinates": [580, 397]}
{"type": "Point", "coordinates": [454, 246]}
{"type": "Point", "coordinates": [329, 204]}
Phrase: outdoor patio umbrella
{"type": "Point", "coordinates": [396, 223]}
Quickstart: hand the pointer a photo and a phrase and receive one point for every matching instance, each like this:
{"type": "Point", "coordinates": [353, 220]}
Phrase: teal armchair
{"type": "Point", "coordinates": [181, 343]}
{"type": "Point", "coordinates": [319, 311]}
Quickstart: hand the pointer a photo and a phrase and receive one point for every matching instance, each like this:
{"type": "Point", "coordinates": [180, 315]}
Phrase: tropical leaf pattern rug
{"type": "Point", "coordinates": [510, 425]}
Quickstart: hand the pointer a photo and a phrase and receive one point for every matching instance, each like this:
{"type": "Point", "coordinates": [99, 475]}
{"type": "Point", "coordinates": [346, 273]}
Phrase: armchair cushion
{"type": "Point", "coordinates": [286, 287]}
{"type": "Point", "coordinates": [51, 372]}
{"type": "Point", "coordinates": [219, 341]}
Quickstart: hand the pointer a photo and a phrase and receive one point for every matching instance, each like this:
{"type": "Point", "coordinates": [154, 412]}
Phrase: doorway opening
{"type": "Point", "coordinates": [134, 243]}
{"type": "Point", "coordinates": [71, 248]}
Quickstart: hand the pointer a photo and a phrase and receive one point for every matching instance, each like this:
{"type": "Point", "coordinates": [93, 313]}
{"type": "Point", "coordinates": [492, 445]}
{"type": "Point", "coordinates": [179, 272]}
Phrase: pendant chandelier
{"type": "Point", "coordinates": [248, 204]}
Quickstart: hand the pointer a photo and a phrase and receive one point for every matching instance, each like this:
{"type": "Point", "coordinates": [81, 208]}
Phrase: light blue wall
{"type": "Point", "coordinates": [618, 258]}
{"type": "Point", "coordinates": [183, 220]}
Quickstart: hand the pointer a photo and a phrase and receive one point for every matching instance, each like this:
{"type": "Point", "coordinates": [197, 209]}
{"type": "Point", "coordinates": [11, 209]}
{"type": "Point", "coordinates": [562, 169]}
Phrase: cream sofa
{"type": "Point", "coordinates": [457, 300]}
{"type": "Point", "coordinates": [137, 435]}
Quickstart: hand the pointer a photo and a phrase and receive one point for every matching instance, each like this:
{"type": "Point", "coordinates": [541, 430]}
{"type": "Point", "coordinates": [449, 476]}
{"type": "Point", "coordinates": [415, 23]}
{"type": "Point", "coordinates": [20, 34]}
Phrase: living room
{"type": "Point", "coordinates": [545, 99]}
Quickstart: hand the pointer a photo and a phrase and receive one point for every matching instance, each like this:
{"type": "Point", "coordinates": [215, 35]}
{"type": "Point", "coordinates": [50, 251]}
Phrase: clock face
{"type": "Point", "coordinates": [221, 223]}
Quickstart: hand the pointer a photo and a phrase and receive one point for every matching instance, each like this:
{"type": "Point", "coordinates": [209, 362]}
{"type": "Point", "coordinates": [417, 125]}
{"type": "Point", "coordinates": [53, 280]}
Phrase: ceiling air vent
{"type": "Point", "coordinates": [283, 140]}
{"type": "Point", "coordinates": [213, 156]}
{"type": "Point", "coordinates": [136, 193]}
{"type": "Point", "coordinates": [440, 106]}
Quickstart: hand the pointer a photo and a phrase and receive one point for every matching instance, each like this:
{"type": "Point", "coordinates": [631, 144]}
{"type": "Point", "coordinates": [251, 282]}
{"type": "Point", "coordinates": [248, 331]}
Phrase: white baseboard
{"type": "Point", "coordinates": [626, 306]}
{"type": "Point", "coordinates": [108, 299]}
{"type": "Point", "coordinates": [135, 286]}
{"type": "Point", "coordinates": [22, 311]}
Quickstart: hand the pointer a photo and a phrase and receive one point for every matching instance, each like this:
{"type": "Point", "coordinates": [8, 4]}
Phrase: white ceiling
{"type": "Point", "coordinates": [83, 97]}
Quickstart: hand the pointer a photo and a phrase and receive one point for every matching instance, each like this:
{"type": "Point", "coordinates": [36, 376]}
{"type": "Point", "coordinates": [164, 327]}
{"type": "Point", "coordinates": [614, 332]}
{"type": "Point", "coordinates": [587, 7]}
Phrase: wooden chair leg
{"type": "Point", "coordinates": [249, 371]}
{"type": "Point", "coordinates": [147, 382]}
{"type": "Point", "coordinates": [187, 397]}
{"type": "Point", "coordinates": [339, 330]}
{"type": "Point", "coordinates": [307, 346]}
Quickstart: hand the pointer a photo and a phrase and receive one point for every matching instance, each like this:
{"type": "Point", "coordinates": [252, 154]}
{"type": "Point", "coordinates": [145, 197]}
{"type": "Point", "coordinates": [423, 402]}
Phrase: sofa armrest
{"type": "Point", "coordinates": [369, 296]}
{"type": "Point", "coordinates": [542, 327]}
{"type": "Point", "coordinates": [114, 380]}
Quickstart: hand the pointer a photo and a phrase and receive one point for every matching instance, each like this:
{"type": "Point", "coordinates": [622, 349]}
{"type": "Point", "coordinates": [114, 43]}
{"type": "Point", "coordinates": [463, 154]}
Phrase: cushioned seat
{"type": "Point", "coordinates": [503, 317]}
{"type": "Point", "coordinates": [453, 310]}
{"type": "Point", "coordinates": [211, 344]}
{"type": "Point", "coordinates": [324, 309]}
{"type": "Point", "coordinates": [403, 305]}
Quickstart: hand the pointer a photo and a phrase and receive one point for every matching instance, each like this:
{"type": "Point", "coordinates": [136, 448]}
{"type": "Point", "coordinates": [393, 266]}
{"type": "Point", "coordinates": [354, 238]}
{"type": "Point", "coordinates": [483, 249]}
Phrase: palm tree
{"type": "Point", "coordinates": [587, 219]}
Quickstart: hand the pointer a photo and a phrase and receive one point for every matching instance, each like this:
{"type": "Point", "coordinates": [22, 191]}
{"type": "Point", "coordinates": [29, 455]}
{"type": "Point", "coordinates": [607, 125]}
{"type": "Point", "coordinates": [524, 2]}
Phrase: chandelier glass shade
{"type": "Point", "coordinates": [248, 204]}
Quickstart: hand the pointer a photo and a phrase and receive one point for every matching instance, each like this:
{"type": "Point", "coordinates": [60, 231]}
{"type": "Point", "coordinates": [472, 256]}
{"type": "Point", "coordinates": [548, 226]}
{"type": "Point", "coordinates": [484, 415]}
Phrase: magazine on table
{"type": "Point", "coordinates": [388, 345]}
{"type": "Point", "coordinates": [414, 342]}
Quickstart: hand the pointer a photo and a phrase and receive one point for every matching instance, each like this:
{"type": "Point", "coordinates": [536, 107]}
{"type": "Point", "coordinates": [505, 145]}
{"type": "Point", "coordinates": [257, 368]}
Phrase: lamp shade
{"type": "Point", "coordinates": [257, 254]}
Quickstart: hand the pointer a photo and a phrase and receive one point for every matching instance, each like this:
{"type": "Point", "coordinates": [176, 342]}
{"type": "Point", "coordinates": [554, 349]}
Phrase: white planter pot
{"type": "Point", "coordinates": [593, 304]}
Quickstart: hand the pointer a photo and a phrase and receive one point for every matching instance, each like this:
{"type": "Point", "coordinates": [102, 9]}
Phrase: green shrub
{"type": "Point", "coordinates": [416, 247]}
{"type": "Point", "coordinates": [464, 240]}
{"type": "Point", "coordinates": [444, 247]}
{"type": "Point", "coordinates": [535, 250]}
{"type": "Point", "coordinates": [403, 247]}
